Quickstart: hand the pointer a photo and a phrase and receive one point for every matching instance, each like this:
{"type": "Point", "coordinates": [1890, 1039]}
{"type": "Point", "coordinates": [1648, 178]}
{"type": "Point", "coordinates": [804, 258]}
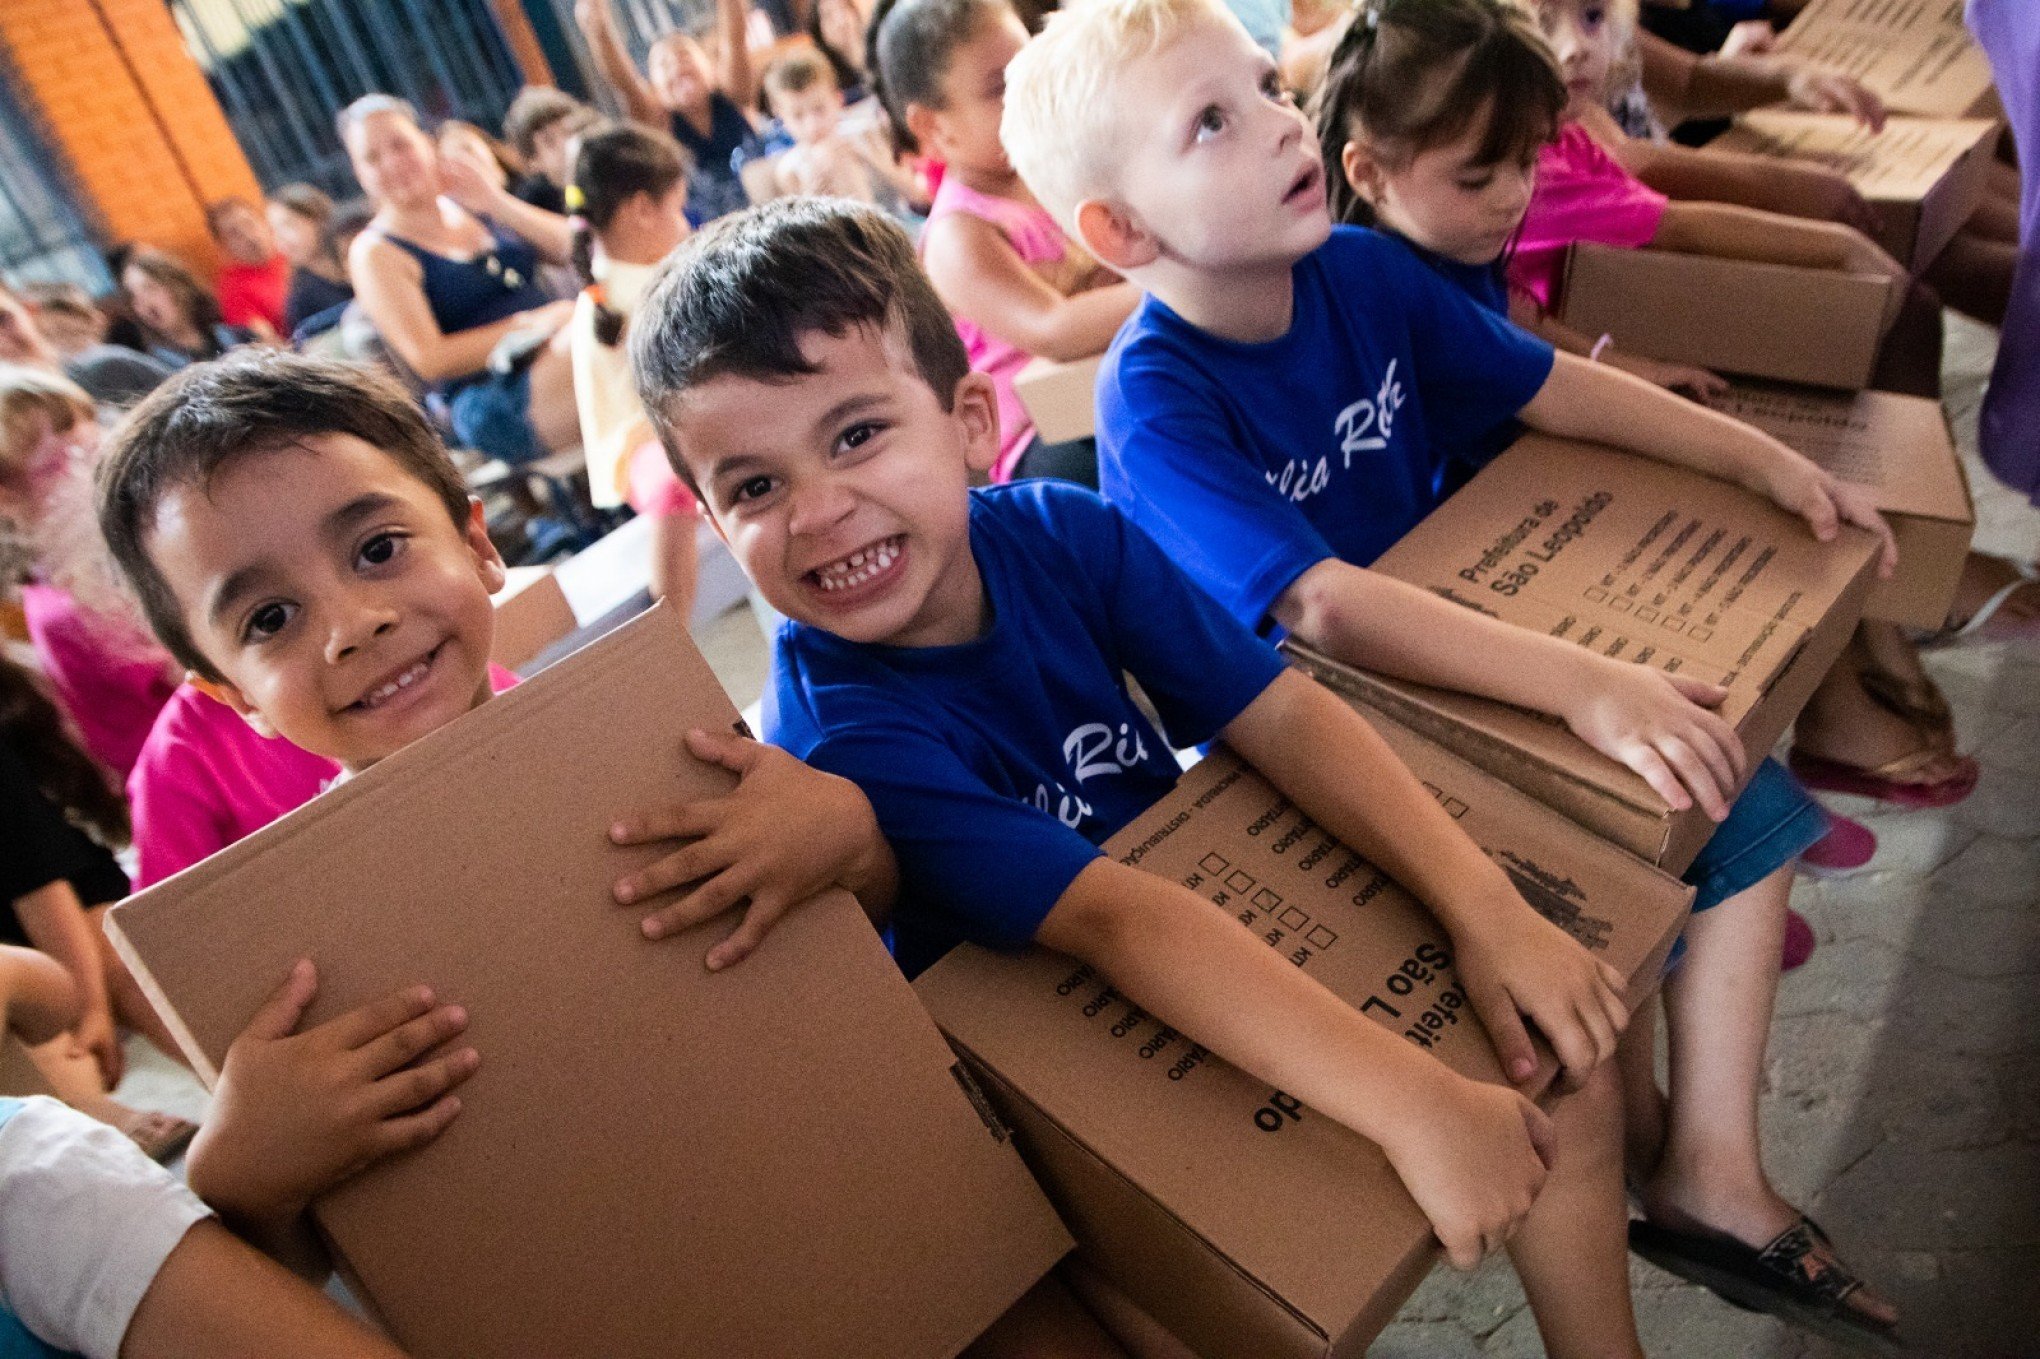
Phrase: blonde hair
{"type": "Point", "coordinates": [1060, 127]}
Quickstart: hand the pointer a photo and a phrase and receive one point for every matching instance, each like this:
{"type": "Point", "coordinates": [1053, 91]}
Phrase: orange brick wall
{"type": "Point", "coordinates": [131, 115]}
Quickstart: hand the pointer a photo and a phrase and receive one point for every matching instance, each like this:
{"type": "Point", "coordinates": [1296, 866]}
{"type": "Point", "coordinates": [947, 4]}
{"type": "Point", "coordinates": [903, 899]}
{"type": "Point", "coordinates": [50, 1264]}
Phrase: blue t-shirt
{"type": "Point", "coordinates": [997, 766]}
{"type": "Point", "coordinates": [1251, 463]}
{"type": "Point", "coordinates": [1487, 284]}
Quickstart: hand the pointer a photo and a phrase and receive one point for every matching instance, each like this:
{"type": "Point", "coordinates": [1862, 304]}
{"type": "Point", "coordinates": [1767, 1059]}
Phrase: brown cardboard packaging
{"type": "Point", "coordinates": [1780, 321]}
{"type": "Point", "coordinates": [1061, 398]}
{"type": "Point", "coordinates": [1241, 1220]}
{"type": "Point", "coordinates": [1924, 176]}
{"type": "Point", "coordinates": [531, 614]}
{"type": "Point", "coordinates": [1916, 54]}
{"type": "Point", "coordinates": [778, 1159]}
{"type": "Point", "coordinates": [1640, 561]}
{"type": "Point", "coordinates": [1901, 448]}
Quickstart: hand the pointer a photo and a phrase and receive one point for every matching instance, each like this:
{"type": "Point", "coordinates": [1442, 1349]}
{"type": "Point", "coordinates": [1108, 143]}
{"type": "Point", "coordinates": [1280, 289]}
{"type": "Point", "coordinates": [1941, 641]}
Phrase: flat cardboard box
{"type": "Point", "coordinates": [1818, 326]}
{"type": "Point", "coordinates": [1241, 1220]}
{"type": "Point", "coordinates": [1918, 55]}
{"type": "Point", "coordinates": [1924, 176]}
{"type": "Point", "coordinates": [1901, 448]}
{"type": "Point", "coordinates": [780, 1159]}
{"type": "Point", "coordinates": [1640, 561]}
{"type": "Point", "coordinates": [1061, 398]}
{"type": "Point", "coordinates": [532, 613]}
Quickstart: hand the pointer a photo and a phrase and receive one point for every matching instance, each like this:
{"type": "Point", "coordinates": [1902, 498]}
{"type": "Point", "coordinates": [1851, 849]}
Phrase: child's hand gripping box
{"type": "Point", "coordinates": [1639, 561]}
{"type": "Point", "coordinates": [778, 1159]}
{"type": "Point", "coordinates": [1900, 448]}
{"type": "Point", "coordinates": [1917, 55]}
{"type": "Point", "coordinates": [1924, 176]}
{"type": "Point", "coordinates": [1061, 398]}
{"type": "Point", "coordinates": [1795, 324]}
{"type": "Point", "coordinates": [1240, 1219]}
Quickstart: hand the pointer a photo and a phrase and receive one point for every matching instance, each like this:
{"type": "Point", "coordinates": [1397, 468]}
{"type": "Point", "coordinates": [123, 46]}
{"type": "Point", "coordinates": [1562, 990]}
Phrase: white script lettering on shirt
{"type": "Point", "coordinates": [1363, 427]}
{"type": "Point", "coordinates": [1091, 751]}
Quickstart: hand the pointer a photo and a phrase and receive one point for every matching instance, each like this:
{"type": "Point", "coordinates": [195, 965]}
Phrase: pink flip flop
{"type": "Point", "coordinates": [1888, 782]}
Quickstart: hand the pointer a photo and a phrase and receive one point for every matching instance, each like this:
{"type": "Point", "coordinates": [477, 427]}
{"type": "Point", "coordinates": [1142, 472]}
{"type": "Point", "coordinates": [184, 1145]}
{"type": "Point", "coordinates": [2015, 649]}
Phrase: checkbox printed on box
{"type": "Point", "coordinates": [1214, 865]}
{"type": "Point", "coordinates": [1595, 594]}
{"type": "Point", "coordinates": [1294, 918]}
{"type": "Point", "coordinates": [1267, 900]}
{"type": "Point", "coordinates": [1241, 883]}
{"type": "Point", "coordinates": [1321, 937]}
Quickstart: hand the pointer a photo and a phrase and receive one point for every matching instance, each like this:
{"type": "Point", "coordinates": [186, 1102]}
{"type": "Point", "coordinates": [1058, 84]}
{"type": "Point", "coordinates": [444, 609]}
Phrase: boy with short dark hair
{"type": "Point", "coordinates": [960, 655]}
{"type": "Point", "coordinates": [299, 538]}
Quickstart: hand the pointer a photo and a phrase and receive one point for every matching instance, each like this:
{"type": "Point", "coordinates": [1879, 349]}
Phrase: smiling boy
{"type": "Point", "coordinates": [960, 655]}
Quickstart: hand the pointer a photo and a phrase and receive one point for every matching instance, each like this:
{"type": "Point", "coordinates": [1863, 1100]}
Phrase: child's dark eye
{"type": "Point", "coordinates": [859, 434]}
{"type": "Point", "coordinates": [750, 488]}
{"type": "Point", "coordinates": [381, 549]}
{"type": "Point", "coordinates": [1210, 121]}
{"type": "Point", "coordinates": [1273, 88]}
{"type": "Point", "coordinates": [1593, 17]}
{"type": "Point", "coordinates": [267, 621]}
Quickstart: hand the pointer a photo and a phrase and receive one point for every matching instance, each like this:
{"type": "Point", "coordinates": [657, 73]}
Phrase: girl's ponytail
{"type": "Point", "coordinates": [613, 165]}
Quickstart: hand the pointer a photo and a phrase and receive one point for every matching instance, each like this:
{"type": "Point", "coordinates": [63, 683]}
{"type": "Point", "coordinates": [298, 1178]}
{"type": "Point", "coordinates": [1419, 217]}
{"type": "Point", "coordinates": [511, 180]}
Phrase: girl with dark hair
{"type": "Point", "coordinates": [628, 189]}
{"type": "Point", "coordinates": [298, 217]}
{"type": "Point", "coordinates": [178, 314]}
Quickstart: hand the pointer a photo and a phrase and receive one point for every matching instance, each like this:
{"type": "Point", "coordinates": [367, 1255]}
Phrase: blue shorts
{"type": "Point", "coordinates": [492, 415]}
{"type": "Point", "coordinates": [1771, 824]}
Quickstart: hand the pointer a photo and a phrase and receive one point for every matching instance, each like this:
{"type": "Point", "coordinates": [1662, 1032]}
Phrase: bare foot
{"type": "Point", "coordinates": [1985, 578]}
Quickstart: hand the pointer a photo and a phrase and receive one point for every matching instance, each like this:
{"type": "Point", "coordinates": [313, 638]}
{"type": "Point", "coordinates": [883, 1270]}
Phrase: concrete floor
{"type": "Point", "coordinates": [1902, 1104]}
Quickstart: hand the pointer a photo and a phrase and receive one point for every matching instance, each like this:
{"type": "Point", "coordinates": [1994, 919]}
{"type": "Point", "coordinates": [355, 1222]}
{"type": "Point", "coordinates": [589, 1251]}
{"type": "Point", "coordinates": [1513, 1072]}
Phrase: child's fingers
{"type": "Point", "coordinates": [279, 1015]}
{"type": "Point", "coordinates": [420, 1086]}
{"type": "Point", "coordinates": [1820, 514]}
{"type": "Point", "coordinates": [393, 1135]}
{"type": "Point", "coordinates": [689, 863]}
{"type": "Point", "coordinates": [1859, 509]}
{"type": "Point", "coordinates": [705, 902]}
{"type": "Point", "coordinates": [366, 1023]}
{"type": "Point", "coordinates": [1543, 1140]}
{"type": "Point", "coordinates": [1699, 691]}
{"type": "Point", "coordinates": [1707, 744]}
{"type": "Point", "coordinates": [1714, 729]}
{"type": "Point", "coordinates": [1497, 1011]}
{"type": "Point", "coordinates": [1646, 762]}
{"type": "Point", "coordinates": [1694, 775]}
{"type": "Point", "coordinates": [738, 754]}
{"type": "Point", "coordinates": [760, 917]}
{"type": "Point", "coordinates": [1612, 1004]}
{"type": "Point", "coordinates": [687, 821]}
{"type": "Point", "coordinates": [407, 1042]}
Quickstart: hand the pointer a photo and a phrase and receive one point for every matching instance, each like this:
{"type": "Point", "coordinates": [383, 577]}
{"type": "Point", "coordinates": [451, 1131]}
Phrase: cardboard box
{"type": "Point", "coordinates": [1917, 55]}
{"type": "Point", "coordinates": [1241, 1220]}
{"type": "Point", "coordinates": [1901, 448]}
{"type": "Point", "coordinates": [1061, 398]}
{"type": "Point", "coordinates": [531, 614]}
{"type": "Point", "coordinates": [1819, 326]}
{"type": "Point", "coordinates": [1639, 561]}
{"type": "Point", "coordinates": [780, 1159]}
{"type": "Point", "coordinates": [1924, 176]}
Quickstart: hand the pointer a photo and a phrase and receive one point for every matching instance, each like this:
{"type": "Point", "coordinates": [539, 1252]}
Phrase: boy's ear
{"type": "Point", "coordinates": [976, 407]}
{"type": "Point", "coordinates": [1115, 236]}
{"type": "Point", "coordinates": [1362, 171]}
{"type": "Point", "coordinates": [223, 692]}
{"type": "Point", "coordinates": [488, 561]}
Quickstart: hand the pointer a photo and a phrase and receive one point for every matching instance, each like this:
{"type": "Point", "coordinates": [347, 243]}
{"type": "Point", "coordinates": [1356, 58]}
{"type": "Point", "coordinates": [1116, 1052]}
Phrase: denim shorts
{"type": "Point", "coordinates": [492, 415]}
{"type": "Point", "coordinates": [1771, 824]}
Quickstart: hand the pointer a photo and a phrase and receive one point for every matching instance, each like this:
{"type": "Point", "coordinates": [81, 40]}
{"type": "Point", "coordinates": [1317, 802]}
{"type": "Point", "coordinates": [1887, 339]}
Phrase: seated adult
{"type": "Point", "coordinates": [298, 217]}
{"type": "Point", "coordinates": [254, 276]}
{"type": "Point", "coordinates": [180, 318]}
{"type": "Point", "coordinates": [447, 272]}
{"type": "Point", "coordinates": [56, 327]}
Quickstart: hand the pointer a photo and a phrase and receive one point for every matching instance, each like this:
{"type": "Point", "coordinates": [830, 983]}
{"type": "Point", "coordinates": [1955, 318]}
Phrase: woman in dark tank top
{"type": "Point", "coordinates": [447, 271]}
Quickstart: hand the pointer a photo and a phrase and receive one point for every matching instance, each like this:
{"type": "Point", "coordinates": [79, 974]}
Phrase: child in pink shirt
{"type": "Point", "coordinates": [110, 681]}
{"type": "Point", "coordinates": [1017, 287]}
{"type": "Point", "coordinates": [1582, 194]}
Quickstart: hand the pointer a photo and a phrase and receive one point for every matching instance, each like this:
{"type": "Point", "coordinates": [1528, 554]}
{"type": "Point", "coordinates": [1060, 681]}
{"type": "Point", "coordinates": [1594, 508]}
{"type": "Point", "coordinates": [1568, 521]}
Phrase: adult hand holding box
{"type": "Point", "coordinates": [1242, 1220]}
{"type": "Point", "coordinates": [773, 1159]}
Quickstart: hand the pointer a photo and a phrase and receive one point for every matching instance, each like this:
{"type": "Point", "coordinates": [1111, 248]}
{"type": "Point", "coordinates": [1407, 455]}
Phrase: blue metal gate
{"type": "Point", "coordinates": [283, 68]}
{"type": "Point", "coordinates": [42, 236]}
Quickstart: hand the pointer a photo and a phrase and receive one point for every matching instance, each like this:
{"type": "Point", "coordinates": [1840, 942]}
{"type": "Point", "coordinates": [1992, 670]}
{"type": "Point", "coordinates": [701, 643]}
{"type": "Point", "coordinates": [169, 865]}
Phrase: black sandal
{"type": "Point", "coordinates": [1795, 1278]}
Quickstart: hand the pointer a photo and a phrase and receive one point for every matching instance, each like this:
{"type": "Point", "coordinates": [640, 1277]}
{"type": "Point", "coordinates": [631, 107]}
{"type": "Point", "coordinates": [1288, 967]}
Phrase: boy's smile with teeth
{"type": "Point", "coordinates": [860, 567]}
{"type": "Point", "coordinates": [395, 685]}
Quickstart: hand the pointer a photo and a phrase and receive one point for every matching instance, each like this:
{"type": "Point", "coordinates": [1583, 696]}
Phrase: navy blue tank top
{"type": "Point", "coordinates": [713, 188]}
{"type": "Point", "coordinates": [467, 293]}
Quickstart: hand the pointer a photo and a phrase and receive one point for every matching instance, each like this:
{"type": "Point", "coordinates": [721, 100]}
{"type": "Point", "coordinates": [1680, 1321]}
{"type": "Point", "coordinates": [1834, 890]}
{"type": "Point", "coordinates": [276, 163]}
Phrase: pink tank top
{"type": "Point", "coordinates": [1582, 194]}
{"type": "Point", "coordinates": [1037, 240]}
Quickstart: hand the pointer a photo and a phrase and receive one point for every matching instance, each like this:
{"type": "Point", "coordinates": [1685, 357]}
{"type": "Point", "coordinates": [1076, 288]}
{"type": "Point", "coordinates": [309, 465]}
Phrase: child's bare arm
{"type": "Point", "coordinates": [1582, 400]}
{"type": "Point", "coordinates": [1727, 231]}
{"type": "Point", "coordinates": [1336, 767]}
{"type": "Point", "coordinates": [980, 277]}
{"type": "Point", "coordinates": [1794, 188]}
{"type": "Point", "coordinates": [1471, 1155]}
{"type": "Point", "coordinates": [598, 24]}
{"type": "Point", "coordinates": [295, 1114]}
{"type": "Point", "coordinates": [214, 1298]}
{"type": "Point", "coordinates": [1655, 723]}
{"type": "Point", "coordinates": [38, 998]}
{"type": "Point", "coordinates": [735, 73]}
{"type": "Point", "coordinates": [56, 924]}
{"type": "Point", "coordinates": [1715, 86]}
{"type": "Point", "coordinates": [786, 834]}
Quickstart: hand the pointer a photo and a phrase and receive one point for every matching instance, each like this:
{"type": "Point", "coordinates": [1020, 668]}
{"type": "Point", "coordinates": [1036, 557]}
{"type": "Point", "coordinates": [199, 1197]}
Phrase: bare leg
{"type": "Point", "coordinates": [1974, 275]}
{"type": "Point", "coordinates": [130, 1004]}
{"type": "Point", "coordinates": [73, 1076]}
{"type": "Point", "coordinates": [553, 413]}
{"type": "Point", "coordinates": [1718, 1007]}
{"type": "Point", "coordinates": [1572, 1252]}
{"type": "Point", "coordinates": [674, 561]}
{"type": "Point", "coordinates": [1643, 1103]}
{"type": "Point", "coordinates": [1842, 722]}
{"type": "Point", "coordinates": [1047, 1323]}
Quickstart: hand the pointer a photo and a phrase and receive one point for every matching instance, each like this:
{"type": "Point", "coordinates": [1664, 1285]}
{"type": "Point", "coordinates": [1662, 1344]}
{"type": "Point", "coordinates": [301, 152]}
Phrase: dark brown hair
{"type": "Point", "coordinates": [1410, 75]}
{"type": "Point", "coordinates": [536, 108]}
{"type": "Point", "coordinates": [908, 50]}
{"type": "Point", "coordinates": [251, 402]}
{"type": "Point", "coordinates": [33, 728]}
{"type": "Point", "coordinates": [740, 297]}
{"type": "Point", "coordinates": [798, 70]}
{"type": "Point", "coordinates": [200, 306]}
{"type": "Point", "coordinates": [611, 167]}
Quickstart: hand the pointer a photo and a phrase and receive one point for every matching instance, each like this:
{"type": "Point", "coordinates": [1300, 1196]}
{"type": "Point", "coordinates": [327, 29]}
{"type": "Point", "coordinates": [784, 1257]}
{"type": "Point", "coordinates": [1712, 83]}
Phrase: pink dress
{"type": "Point", "coordinates": [1038, 241]}
{"type": "Point", "coordinates": [206, 779]}
{"type": "Point", "coordinates": [1583, 194]}
{"type": "Point", "coordinates": [109, 681]}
